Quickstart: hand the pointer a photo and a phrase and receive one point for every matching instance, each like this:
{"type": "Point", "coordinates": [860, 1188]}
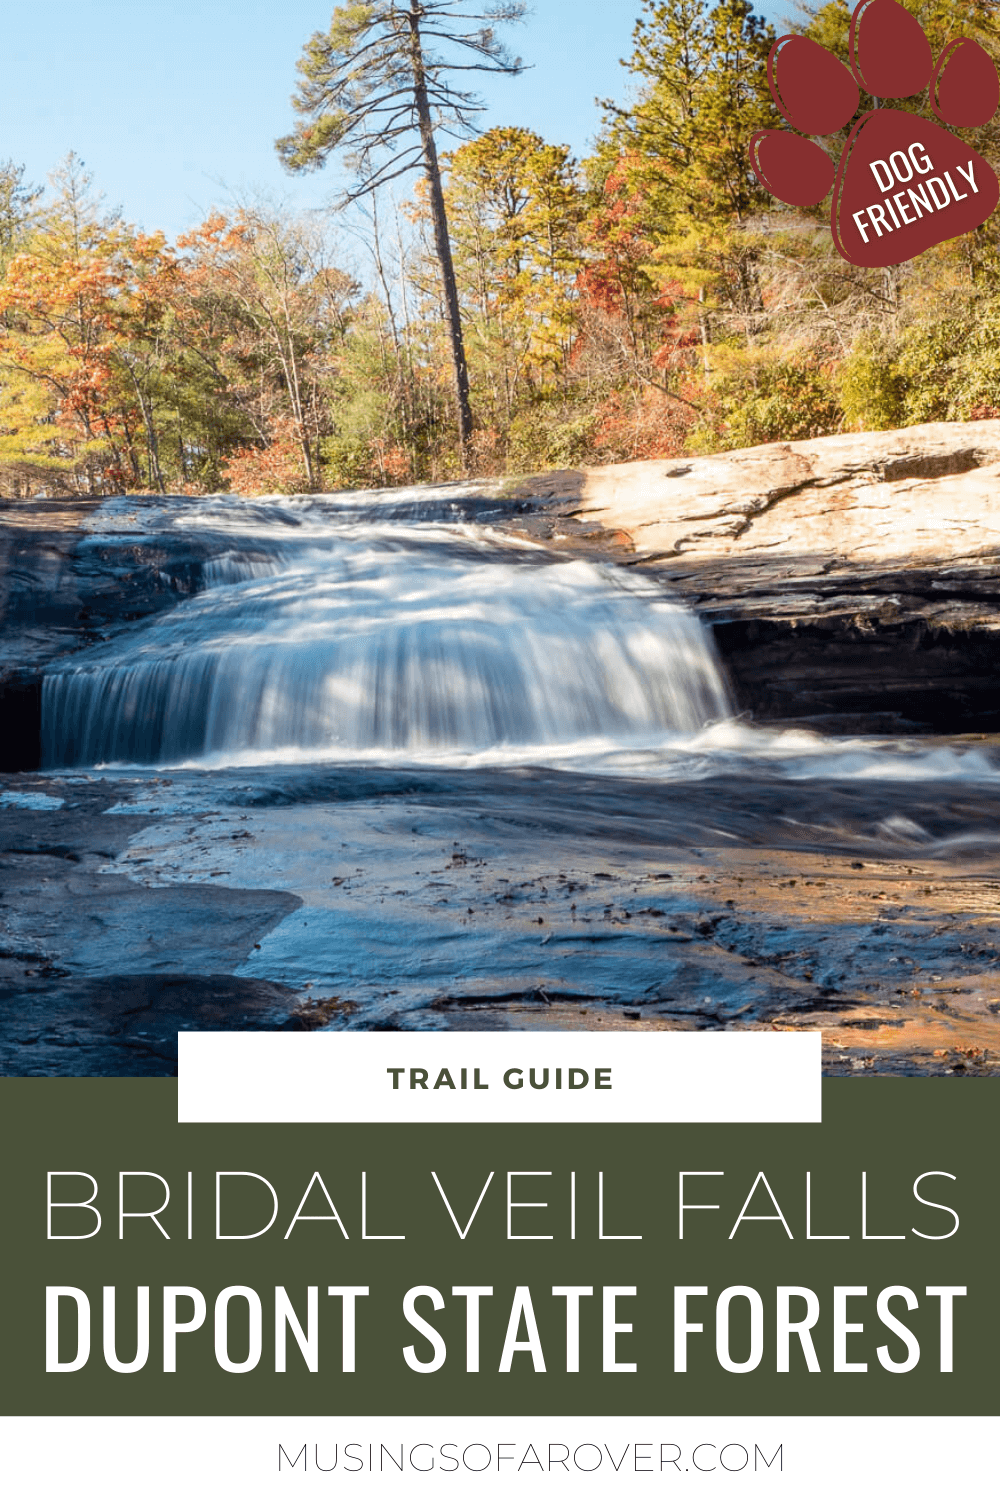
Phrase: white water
{"type": "Point", "coordinates": [335, 629]}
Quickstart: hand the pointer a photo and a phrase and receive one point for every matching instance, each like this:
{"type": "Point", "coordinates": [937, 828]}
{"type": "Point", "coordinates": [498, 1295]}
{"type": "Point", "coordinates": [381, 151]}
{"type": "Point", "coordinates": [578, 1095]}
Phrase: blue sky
{"type": "Point", "coordinates": [173, 104]}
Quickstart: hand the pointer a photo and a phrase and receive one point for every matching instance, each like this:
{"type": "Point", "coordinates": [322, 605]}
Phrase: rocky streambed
{"type": "Point", "coordinates": [134, 907]}
{"type": "Point", "coordinates": [850, 582]}
{"type": "Point", "coordinates": [826, 858]}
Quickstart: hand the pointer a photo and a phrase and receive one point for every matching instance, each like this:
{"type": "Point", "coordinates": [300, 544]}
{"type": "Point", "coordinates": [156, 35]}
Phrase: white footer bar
{"type": "Point", "coordinates": [822, 1458]}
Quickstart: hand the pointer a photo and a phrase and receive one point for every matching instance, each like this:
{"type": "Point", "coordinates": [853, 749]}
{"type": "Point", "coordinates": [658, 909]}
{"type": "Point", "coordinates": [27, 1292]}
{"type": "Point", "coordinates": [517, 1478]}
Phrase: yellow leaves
{"type": "Point", "coordinates": [74, 306]}
{"type": "Point", "coordinates": [514, 210]}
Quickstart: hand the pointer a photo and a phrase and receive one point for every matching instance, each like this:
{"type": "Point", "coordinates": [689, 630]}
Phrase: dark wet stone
{"type": "Point", "coordinates": [126, 1024]}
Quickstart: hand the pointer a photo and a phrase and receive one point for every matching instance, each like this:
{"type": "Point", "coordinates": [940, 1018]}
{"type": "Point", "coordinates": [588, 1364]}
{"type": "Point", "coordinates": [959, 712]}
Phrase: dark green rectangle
{"type": "Point", "coordinates": [893, 1130]}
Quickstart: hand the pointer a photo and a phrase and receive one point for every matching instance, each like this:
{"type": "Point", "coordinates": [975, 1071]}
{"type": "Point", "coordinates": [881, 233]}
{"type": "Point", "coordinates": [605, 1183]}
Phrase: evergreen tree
{"type": "Point", "coordinates": [670, 55]}
{"type": "Point", "coordinates": [375, 85]}
{"type": "Point", "coordinates": [679, 153]}
{"type": "Point", "coordinates": [17, 198]}
{"type": "Point", "coordinates": [703, 95]}
{"type": "Point", "coordinates": [734, 103]}
{"type": "Point", "coordinates": [515, 208]}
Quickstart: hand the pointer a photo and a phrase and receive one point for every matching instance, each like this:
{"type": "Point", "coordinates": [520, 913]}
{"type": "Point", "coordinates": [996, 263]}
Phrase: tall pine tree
{"type": "Point", "coordinates": [377, 85]}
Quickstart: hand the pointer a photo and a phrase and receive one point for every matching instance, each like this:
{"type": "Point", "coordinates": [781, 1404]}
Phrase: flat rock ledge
{"type": "Point", "coordinates": [851, 581]}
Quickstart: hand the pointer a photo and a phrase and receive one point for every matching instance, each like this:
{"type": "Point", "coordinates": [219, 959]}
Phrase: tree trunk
{"type": "Point", "coordinates": [442, 243]}
{"type": "Point", "coordinates": [703, 325]}
{"type": "Point", "coordinates": [152, 443]}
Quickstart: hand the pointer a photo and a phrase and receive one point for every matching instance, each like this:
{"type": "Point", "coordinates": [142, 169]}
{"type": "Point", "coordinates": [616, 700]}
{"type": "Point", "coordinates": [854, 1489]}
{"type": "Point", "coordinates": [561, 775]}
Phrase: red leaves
{"type": "Point", "coordinates": [276, 468]}
{"type": "Point", "coordinates": [649, 425]}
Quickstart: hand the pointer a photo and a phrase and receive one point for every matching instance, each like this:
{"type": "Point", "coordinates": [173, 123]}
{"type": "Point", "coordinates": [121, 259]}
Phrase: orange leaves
{"type": "Point", "coordinates": [647, 425]}
{"type": "Point", "coordinates": [75, 309]}
{"type": "Point", "coordinates": [392, 463]}
{"type": "Point", "coordinates": [215, 239]}
{"type": "Point", "coordinates": [126, 361]}
{"type": "Point", "coordinates": [278, 467]}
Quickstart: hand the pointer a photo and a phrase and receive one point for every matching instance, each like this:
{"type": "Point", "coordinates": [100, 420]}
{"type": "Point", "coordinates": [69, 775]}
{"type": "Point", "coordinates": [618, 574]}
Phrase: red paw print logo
{"type": "Point", "coordinates": [902, 183]}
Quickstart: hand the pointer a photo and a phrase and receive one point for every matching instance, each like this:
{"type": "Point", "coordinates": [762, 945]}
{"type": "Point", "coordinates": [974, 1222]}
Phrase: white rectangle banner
{"type": "Point", "coordinates": [822, 1458]}
{"type": "Point", "coordinates": [736, 1077]}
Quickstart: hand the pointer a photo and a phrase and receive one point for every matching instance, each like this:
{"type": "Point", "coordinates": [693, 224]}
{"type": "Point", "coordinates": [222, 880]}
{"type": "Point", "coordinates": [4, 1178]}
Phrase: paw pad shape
{"type": "Point", "coordinates": [902, 183]}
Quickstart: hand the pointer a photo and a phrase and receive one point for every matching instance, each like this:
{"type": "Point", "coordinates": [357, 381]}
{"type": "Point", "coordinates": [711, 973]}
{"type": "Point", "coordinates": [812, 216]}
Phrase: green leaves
{"type": "Point", "coordinates": [308, 146]}
{"type": "Point", "coordinates": [361, 83]}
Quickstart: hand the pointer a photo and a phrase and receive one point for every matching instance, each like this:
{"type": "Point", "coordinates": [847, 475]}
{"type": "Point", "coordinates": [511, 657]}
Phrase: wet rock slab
{"type": "Point", "coordinates": [69, 580]}
{"type": "Point", "coordinates": [97, 972]}
{"type": "Point", "coordinates": [370, 898]}
{"type": "Point", "coordinates": [125, 1025]}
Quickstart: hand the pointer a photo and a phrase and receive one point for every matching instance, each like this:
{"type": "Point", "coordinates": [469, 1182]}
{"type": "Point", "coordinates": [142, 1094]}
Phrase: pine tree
{"type": "Point", "coordinates": [679, 151]}
{"type": "Point", "coordinates": [17, 198]}
{"type": "Point", "coordinates": [671, 57]}
{"type": "Point", "coordinates": [703, 94]}
{"type": "Point", "coordinates": [376, 85]}
{"type": "Point", "coordinates": [515, 211]}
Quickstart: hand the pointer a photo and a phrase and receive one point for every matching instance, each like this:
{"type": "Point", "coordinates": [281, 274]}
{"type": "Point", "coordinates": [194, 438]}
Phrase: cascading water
{"type": "Point", "coordinates": [428, 774]}
{"type": "Point", "coordinates": [326, 630]}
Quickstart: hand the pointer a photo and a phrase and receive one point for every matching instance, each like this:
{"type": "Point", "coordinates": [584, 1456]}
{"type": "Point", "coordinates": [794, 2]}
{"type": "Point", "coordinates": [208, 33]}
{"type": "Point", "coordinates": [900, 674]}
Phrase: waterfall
{"type": "Point", "coordinates": [322, 633]}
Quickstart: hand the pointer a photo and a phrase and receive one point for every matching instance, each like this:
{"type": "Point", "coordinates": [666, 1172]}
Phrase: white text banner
{"type": "Point", "coordinates": [499, 1078]}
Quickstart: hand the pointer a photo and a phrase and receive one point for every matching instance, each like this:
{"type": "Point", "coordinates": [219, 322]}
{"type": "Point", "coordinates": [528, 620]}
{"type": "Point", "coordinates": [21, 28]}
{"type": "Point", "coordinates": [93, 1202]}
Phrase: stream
{"type": "Point", "coordinates": [453, 777]}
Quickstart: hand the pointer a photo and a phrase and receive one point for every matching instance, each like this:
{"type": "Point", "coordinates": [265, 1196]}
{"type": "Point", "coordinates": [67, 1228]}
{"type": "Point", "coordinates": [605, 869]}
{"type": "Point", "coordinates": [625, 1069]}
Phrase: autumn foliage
{"type": "Point", "coordinates": [650, 301]}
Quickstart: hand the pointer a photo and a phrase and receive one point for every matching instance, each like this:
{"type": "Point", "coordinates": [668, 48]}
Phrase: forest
{"type": "Point", "coordinates": [649, 301]}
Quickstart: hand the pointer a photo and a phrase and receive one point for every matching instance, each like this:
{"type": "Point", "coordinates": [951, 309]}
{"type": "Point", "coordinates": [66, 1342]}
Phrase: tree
{"type": "Point", "coordinates": [372, 86]}
{"type": "Point", "coordinates": [66, 301]}
{"type": "Point", "coordinates": [266, 305]}
{"type": "Point", "coordinates": [702, 96]}
{"type": "Point", "coordinates": [632, 334]}
{"type": "Point", "coordinates": [678, 154]}
{"type": "Point", "coordinates": [515, 208]}
{"type": "Point", "coordinates": [17, 198]}
{"type": "Point", "coordinates": [657, 133]}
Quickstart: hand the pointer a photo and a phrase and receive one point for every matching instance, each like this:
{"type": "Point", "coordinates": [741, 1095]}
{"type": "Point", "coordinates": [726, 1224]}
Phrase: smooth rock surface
{"type": "Point", "coordinates": [498, 900]}
{"type": "Point", "coordinates": [917, 493]}
{"type": "Point", "coordinates": [853, 582]}
{"type": "Point", "coordinates": [98, 971]}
